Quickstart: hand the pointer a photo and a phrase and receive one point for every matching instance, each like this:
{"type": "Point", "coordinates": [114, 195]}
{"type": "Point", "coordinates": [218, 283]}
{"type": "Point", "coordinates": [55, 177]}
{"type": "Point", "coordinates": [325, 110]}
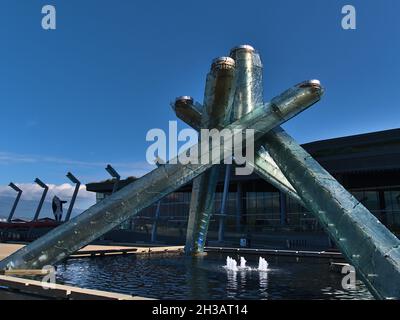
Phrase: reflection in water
{"type": "Point", "coordinates": [243, 277]}
{"type": "Point", "coordinates": [263, 276]}
{"type": "Point", "coordinates": [178, 277]}
{"type": "Point", "coordinates": [196, 276]}
{"type": "Point", "coordinates": [243, 262]}
{"type": "Point", "coordinates": [231, 284]}
{"type": "Point", "coordinates": [342, 294]}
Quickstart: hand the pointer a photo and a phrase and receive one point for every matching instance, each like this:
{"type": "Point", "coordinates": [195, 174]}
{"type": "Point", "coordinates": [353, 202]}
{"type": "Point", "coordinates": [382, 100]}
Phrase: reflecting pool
{"type": "Point", "coordinates": [173, 276]}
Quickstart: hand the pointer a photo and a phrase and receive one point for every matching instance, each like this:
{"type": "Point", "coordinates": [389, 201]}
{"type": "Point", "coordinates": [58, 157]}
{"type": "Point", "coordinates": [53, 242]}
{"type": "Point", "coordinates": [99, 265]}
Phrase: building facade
{"type": "Point", "coordinates": [367, 165]}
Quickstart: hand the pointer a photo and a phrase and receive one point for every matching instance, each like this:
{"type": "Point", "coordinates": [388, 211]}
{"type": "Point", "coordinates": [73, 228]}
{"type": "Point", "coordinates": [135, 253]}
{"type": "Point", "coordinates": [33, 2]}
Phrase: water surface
{"type": "Point", "coordinates": [173, 276]}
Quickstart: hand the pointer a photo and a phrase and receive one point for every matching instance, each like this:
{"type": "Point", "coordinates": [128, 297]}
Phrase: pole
{"type": "Point", "coordinates": [155, 223]}
{"type": "Point", "coordinates": [225, 194]}
{"type": "Point", "coordinates": [75, 194]}
{"type": "Point", "coordinates": [113, 173]}
{"type": "Point", "coordinates": [282, 207]}
{"type": "Point", "coordinates": [45, 190]}
{"type": "Point", "coordinates": [14, 207]}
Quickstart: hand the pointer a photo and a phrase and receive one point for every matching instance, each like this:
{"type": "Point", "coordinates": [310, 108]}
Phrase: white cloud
{"type": "Point", "coordinates": [85, 199]}
{"type": "Point", "coordinates": [32, 191]}
{"type": "Point", "coordinates": [9, 158]}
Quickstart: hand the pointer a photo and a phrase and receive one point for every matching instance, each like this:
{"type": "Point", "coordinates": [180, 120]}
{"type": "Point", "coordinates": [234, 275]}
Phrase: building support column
{"type": "Point", "coordinates": [382, 208]}
{"type": "Point", "coordinates": [225, 194]}
{"type": "Point", "coordinates": [239, 205]}
{"type": "Point", "coordinates": [155, 223]}
{"type": "Point", "coordinates": [282, 208]}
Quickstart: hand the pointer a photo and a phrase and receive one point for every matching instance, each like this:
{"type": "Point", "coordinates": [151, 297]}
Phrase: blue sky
{"type": "Point", "coordinates": [86, 94]}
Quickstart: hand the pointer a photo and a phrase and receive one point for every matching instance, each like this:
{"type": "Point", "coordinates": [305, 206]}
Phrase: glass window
{"type": "Point", "coordinates": [392, 206]}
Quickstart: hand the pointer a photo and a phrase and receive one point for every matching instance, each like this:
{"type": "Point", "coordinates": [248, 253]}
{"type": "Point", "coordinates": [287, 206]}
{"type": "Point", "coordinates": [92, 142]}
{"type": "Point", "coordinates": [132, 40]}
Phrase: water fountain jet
{"type": "Point", "coordinates": [243, 263]}
{"type": "Point", "coordinates": [231, 264]}
{"type": "Point", "coordinates": [262, 264]}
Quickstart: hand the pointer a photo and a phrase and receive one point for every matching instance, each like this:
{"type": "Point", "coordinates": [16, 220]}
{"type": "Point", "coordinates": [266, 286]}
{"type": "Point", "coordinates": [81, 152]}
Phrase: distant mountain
{"type": "Point", "coordinates": [26, 208]}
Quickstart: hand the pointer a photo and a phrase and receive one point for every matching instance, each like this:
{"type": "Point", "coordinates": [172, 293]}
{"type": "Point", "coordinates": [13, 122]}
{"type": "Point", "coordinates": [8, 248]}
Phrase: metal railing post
{"type": "Point", "coordinates": [14, 207]}
{"type": "Point", "coordinates": [73, 179]}
{"type": "Point", "coordinates": [113, 173]}
{"type": "Point", "coordinates": [45, 190]}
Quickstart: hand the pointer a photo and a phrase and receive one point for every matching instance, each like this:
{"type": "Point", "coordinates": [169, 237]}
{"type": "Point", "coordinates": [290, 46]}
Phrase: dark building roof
{"type": "Point", "coordinates": [364, 152]}
{"type": "Point", "coordinates": [107, 185]}
{"type": "Point", "coordinates": [363, 160]}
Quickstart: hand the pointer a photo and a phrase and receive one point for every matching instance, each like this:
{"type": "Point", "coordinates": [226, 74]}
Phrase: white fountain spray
{"type": "Point", "coordinates": [262, 264]}
{"type": "Point", "coordinates": [231, 264]}
{"type": "Point", "coordinates": [243, 263]}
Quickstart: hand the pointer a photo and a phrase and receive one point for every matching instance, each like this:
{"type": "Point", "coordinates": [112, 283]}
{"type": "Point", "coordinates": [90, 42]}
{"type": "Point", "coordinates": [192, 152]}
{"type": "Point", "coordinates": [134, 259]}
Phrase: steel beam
{"type": "Point", "coordinates": [69, 237]}
{"type": "Point", "coordinates": [365, 242]}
